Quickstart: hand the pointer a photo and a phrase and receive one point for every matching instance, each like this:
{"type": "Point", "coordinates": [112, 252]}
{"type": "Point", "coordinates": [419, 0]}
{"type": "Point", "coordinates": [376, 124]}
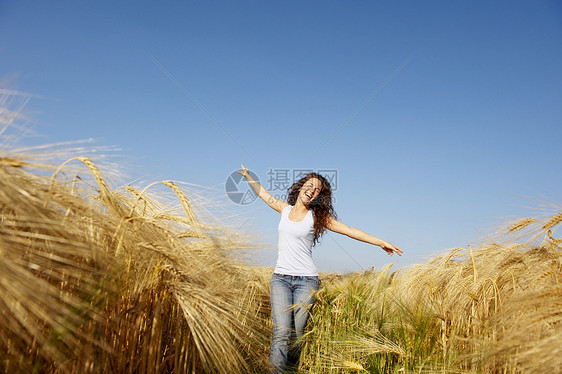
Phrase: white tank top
{"type": "Point", "coordinates": [295, 245]}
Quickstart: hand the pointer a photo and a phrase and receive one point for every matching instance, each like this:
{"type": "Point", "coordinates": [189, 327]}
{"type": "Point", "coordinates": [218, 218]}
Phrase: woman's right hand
{"type": "Point", "coordinates": [244, 172]}
{"type": "Point", "coordinates": [273, 202]}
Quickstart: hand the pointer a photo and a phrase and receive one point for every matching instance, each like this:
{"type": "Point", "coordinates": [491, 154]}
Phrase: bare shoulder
{"type": "Point", "coordinates": [282, 206]}
{"type": "Point", "coordinates": [276, 204]}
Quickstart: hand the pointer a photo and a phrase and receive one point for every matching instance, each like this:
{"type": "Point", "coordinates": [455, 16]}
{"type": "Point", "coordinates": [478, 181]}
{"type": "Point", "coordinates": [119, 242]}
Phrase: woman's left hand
{"type": "Point", "coordinates": [391, 249]}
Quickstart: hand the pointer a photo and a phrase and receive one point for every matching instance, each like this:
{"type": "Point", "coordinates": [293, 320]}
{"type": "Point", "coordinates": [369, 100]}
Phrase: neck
{"type": "Point", "coordinates": [300, 207]}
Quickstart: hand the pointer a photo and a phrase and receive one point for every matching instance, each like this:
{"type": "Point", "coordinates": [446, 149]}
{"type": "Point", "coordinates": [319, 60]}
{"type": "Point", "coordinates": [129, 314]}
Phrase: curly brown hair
{"type": "Point", "coordinates": [322, 207]}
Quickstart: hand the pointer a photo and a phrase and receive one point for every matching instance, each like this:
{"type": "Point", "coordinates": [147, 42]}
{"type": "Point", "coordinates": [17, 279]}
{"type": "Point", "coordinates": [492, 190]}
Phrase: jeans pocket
{"type": "Point", "coordinates": [314, 282]}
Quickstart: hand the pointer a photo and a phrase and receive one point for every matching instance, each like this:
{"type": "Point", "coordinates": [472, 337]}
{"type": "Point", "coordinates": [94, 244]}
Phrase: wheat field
{"type": "Point", "coordinates": [128, 279]}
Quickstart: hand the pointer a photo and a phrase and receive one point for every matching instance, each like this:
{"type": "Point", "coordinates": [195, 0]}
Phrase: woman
{"type": "Point", "coordinates": [304, 218]}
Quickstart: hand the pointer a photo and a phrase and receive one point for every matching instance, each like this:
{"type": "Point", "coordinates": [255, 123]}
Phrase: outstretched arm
{"type": "Point", "coordinates": [276, 204]}
{"type": "Point", "coordinates": [357, 234]}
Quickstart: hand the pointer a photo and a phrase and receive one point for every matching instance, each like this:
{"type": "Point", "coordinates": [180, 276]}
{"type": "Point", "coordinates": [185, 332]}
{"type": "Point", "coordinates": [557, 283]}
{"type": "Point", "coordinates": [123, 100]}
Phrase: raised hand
{"type": "Point", "coordinates": [244, 172]}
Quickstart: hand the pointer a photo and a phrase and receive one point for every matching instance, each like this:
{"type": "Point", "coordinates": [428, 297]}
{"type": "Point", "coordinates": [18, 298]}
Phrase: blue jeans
{"type": "Point", "coordinates": [291, 298]}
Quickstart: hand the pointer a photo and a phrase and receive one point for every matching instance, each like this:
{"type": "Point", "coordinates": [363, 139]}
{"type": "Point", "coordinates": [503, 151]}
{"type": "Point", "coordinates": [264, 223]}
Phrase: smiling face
{"type": "Point", "coordinates": [310, 191]}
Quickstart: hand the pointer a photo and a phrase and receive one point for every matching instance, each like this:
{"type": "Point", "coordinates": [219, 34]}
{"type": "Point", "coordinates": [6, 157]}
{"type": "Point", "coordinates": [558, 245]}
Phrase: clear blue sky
{"type": "Point", "coordinates": [441, 117]}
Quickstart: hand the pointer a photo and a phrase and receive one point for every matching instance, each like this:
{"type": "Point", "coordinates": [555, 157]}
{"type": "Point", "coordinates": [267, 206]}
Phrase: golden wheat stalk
{"type": "Point", "coordinates": [61, 242]}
